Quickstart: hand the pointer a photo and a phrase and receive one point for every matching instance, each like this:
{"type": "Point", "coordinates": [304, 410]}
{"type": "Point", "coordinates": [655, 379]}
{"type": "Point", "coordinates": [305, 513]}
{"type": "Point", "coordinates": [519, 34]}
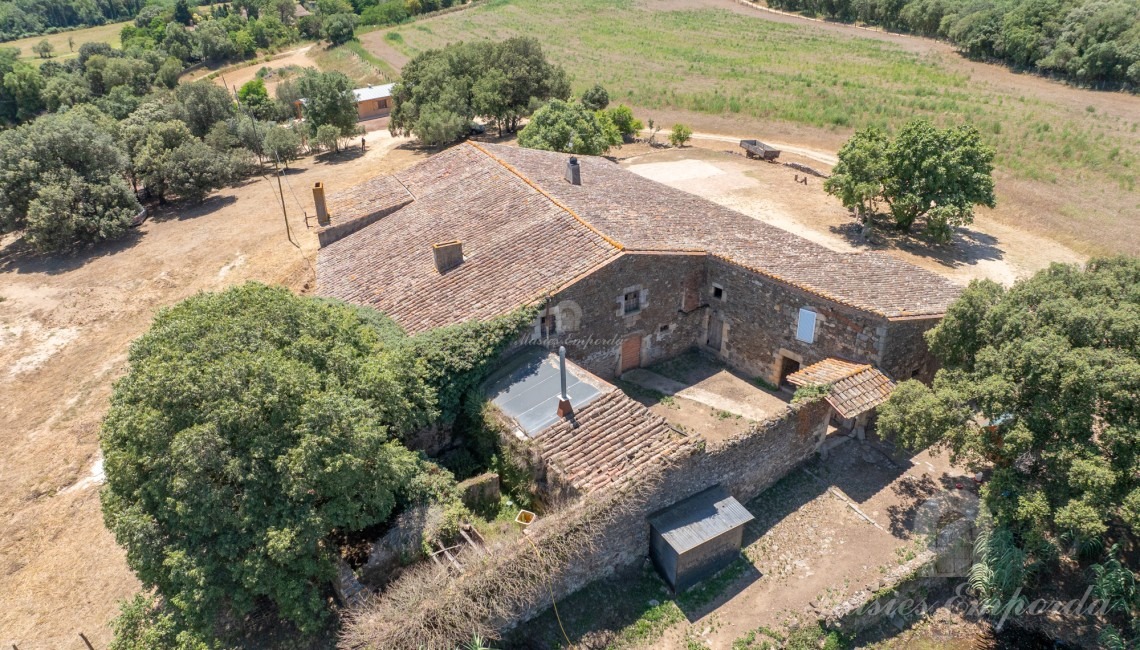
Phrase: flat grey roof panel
{"type": "Point", "coordinates": [528, 387]}
{"type": "Point", "coordinates": [691, 522]}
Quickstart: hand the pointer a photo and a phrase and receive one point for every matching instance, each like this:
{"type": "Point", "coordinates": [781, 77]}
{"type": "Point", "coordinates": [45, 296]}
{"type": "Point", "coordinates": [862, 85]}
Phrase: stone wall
{"type": "Point", "coordinates": [745, 465]}
{"type": "Point", "coordinates": [905, 354]}
{"type": "Point", "coordinates": [759, 317]}
{"type": "Point", "coordinates": [591, 319]}
{"type": "Point", "coordinates": [685, 295]}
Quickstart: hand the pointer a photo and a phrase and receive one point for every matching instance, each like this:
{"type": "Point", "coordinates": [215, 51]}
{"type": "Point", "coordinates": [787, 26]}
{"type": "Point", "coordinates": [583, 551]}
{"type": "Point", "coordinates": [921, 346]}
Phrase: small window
{"type": "Point", "coordinates": [632, 302]}
{"type": "Point", "coordinates": [663, 328]}
{"type": "Point", "coordinates": [718, 292]}
{"type": "Point", "coordinates": [914, 373]}
{"type": "Point", "coordinates": [805, 328]}
{"type": "Point", "coordinates": [547, 325]}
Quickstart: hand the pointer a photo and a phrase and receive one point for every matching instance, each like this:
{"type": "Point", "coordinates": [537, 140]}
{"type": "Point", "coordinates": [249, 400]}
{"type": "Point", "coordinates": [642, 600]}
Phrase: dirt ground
{"type": "Point", "coordinates": [810, 549]}
{"type": "Point", "coordinates": [65, 327]}
{"type": "Point", "coordinates": [700, 396]}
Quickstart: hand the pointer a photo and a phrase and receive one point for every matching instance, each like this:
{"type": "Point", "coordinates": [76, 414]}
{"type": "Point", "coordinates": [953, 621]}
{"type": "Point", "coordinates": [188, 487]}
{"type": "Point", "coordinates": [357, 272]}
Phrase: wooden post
{"type": "Point", "coordinates": [86, 642]}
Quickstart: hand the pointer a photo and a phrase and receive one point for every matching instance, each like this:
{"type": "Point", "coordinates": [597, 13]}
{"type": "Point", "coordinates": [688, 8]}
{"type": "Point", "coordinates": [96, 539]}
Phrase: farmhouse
{"type": "Point", "coordinates": [630, 271]}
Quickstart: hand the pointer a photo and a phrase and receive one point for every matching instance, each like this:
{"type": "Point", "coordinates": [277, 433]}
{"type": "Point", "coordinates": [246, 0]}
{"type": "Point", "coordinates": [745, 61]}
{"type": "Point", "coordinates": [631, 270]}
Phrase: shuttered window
{"type": "Point", "coordinates": [805, 328]}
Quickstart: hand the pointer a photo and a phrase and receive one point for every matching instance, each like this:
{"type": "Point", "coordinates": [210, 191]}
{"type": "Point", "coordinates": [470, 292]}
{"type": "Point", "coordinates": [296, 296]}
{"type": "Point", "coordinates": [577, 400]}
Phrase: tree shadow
{"type": "Point", "coordinates": [913, 492]}
{"type": "Point", "coordinates": [18, 257]}
{"type": "Point", "coordinates": [966, 247]}
{"type": "Point", "coordinates": [182, 211]}
{"type": "Point", "coordinates": [862, 470]}
{"type": "Point", "coordinates": [346, 154]}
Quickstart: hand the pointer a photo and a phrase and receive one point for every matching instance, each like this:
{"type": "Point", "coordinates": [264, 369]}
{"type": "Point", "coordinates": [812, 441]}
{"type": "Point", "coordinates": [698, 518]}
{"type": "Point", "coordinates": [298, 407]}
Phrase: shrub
{"type": "Point", "coordinates": [596, 98]}
{"type": "Point", "coordinates": [680, 135]}
{"type": "Point", "coordinates": [622, 118]}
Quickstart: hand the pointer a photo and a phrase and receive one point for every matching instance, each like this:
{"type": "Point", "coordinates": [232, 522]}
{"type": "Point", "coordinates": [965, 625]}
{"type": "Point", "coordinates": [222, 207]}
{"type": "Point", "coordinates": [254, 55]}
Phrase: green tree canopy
{"type": "Point", "coordinates": [51, 171]}
{"type": "Point", "coordinates": [201, 105]}
{"type": "Point", "coordinates": [271, 421]}
{"type": "Point", "coordinates": [441, 91]}
{"type": "Point", "coordinates": [627, 125]}
{"type": "Point", "coordinates": [569, 127]}
{"type": "Point", "coordinates": [925, 172]}
{"type": "Point", "coordinates": [328, 99]}
{"type": "Point", "coordinates": [43, 49]}
{"type": "Point", "coordinates": [182, 12]}
{"type": "Point", "coordinates": [339, 28]}
{"type": "Point", "coordinates": [1040, 383]}
{"type": "Point", "coordinates": [254, 97]}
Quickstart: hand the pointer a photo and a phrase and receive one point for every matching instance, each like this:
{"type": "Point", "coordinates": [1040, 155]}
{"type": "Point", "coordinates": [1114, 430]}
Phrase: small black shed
{"type": "Point", "coordinates": [696, 537]}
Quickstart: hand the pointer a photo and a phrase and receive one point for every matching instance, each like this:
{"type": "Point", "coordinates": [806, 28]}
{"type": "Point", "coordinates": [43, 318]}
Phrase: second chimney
{"type": "Point", "coordinates": [564, 407]}
{"type": "Point", "coordinates": [573, 171]}
{"type": "Point", "coordinates": [448, 255]}
{"type": "Point", "coordinates": [319, 200]}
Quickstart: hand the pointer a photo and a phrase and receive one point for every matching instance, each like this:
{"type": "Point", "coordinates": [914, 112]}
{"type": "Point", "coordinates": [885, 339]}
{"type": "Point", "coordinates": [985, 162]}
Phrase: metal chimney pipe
{"type": "Point", "coordinates": [562, 368]}
{"type": "Point", "coordinates": [564, 408]}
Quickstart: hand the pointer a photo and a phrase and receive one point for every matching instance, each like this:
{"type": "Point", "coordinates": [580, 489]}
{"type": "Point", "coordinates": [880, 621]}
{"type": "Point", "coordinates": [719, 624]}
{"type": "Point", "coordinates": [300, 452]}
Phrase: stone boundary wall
{"type": "Point", "coordinates": [587, 540]}
{"type": "Point", "coordinates": [745, 465]}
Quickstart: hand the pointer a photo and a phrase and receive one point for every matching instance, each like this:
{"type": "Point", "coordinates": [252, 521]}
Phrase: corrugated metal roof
{"type": "Point", "coordinates": [372, 92]}
{"type": "Point", "coordinates": [691, 522]}
{"type": "Point", "coordinates": [527, 389]}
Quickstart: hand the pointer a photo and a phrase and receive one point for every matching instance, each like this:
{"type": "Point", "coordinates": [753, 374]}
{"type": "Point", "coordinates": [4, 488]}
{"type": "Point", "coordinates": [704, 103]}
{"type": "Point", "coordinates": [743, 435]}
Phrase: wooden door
{"type": "Point", "coordinates": [630, 353]}
{"type": "Point", "coordinates": [716, 331]}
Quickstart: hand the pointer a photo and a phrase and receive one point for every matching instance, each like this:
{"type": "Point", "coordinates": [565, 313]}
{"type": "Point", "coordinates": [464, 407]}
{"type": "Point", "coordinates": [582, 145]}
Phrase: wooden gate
{"type": "Point", "coordinates": [630, 353]}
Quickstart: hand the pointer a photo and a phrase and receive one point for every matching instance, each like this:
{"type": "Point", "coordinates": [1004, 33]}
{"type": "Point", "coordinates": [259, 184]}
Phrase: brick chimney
{"type": "Point", "coordinates": [319, 200]}
{"type": "Point", "coordinates": [448, 255]}
{"type": "Point", "coordinates": [573, 171]}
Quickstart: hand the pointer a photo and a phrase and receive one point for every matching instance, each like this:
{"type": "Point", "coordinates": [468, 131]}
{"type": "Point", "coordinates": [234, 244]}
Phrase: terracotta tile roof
{"type": "Point", "coordinates": [375, 195]}
{"type": "Point", "coordinates": [527, 232]}
{"type": "Point", "coordinates": [517, 245]}
{"type": "Point", "coordinates": [855, 388]}
{"type": "Point", "coordinates": [609, 440]}
{"type": "Point", "coordinates": [641, 214]}
{"type": "Point", "coordinates": [828, 371]}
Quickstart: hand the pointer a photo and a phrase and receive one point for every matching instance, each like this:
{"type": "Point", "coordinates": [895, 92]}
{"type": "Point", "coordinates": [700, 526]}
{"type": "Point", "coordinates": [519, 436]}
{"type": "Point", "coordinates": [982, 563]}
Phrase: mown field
{"type": "Point", "coordinates": [1069, 169]}
{"type": "Point", "coordinates": [108, 33]}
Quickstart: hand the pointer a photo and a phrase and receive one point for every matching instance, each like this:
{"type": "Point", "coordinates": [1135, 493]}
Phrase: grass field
{"type": "Point", "coordinates": [359, 65]}
{"type": "Point", "coordinates": [1071, 171]}
{"type": "Point", "coordinates": [108, 33]}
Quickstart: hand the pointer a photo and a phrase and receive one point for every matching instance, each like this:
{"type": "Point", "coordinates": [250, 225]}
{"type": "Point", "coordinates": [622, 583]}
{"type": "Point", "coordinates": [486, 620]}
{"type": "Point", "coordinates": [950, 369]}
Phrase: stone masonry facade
{"type": "Point", "coordinates": [683, 296]}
